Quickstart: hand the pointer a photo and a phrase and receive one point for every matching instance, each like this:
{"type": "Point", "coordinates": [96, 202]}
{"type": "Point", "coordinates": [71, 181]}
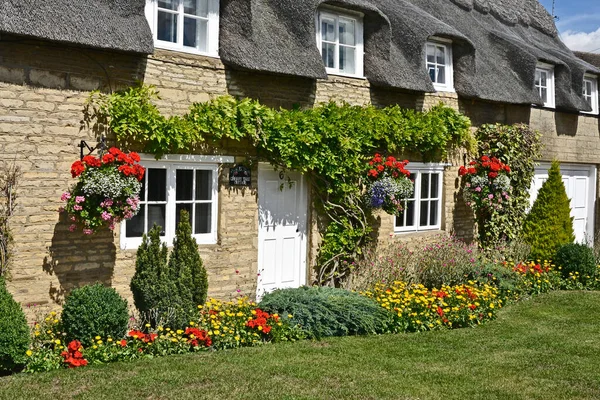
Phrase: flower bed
{"type": "Point", "coordinates": [416, 308]}
{"type": "Point", "coordinates": [220, 325]}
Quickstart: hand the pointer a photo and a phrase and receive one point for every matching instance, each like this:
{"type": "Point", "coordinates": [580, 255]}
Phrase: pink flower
{"type": "Point", "coordinates": [490, 196]}
{"type": "Point", "coordinates": [106, 216]}
{"type": "Point", "coordinates": [478, 189]}
{"type": "Point", "coordinates": [77, 207]}
{"type": "Point", "coordinates": [111, 226]}
{"type": "Point", "coordinates": [108, 203]}
{"type": "Point", "coordinates": [65, 196]}
{"type": "Point", "coordinates": [88, 231]}
{"type": "Point", "coordinates": [61, 209]}
{"type": "Point", "coordinates": [73, 218]}
{"type": "Point", "coordinates": [79, 199]}
{"type": "Point", "coordinates": [72, 228]}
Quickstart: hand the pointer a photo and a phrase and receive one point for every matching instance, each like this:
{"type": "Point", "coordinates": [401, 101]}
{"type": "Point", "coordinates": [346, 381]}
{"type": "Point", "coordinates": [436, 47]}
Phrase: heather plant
{"type": "Point", "coordinates": [549, 223]}
{"type": "Point", "coordinates": [445, 260]}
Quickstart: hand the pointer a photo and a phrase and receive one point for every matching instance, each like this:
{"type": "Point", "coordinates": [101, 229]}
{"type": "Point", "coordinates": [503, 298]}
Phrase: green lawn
{"type": "Point", "coordinates": [546, 348]}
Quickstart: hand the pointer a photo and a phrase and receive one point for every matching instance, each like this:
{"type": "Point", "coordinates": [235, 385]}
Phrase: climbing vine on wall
{"type": "Point", "coordinates": [518, 146]}
{"type": "Point", "coordinates": [330, 143]}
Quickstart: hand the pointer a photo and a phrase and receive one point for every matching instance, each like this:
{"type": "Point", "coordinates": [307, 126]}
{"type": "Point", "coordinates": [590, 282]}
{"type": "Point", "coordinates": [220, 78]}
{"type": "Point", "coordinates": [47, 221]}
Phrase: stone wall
{"type": "Point", "coordinates": [43, 90]}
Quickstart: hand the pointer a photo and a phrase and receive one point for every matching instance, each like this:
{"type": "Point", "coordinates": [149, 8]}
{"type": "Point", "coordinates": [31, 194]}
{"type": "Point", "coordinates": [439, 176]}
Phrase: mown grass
{"type": "Point", "coordinates": [545, 348]}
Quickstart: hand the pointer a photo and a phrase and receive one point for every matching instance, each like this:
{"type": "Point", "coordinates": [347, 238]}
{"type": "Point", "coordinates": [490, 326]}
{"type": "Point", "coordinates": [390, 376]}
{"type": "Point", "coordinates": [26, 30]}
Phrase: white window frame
{"type": "Point", "coordinates": [593, 96]}
{"type": "Point", "coordinates": [212, 45]}
{"type": "Point", "coordinates": [337, 14]}
{"type": "Point", "coordinates": [171, 163]}
{"type": "Point", "coordinates": [446, 45]}
{"type": "Point", "coordinates": [547, 69]}
{"type": "Point", "coordinates": [418, 169]}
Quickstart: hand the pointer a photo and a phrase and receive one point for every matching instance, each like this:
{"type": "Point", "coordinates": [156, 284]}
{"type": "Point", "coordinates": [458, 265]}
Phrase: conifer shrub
{"type": "Point", "coordinates": [549, 224]}
{"type": "Point", "coordinates": [94, 310]}
{"type": "Point", "coordinates": [167, 289]}
{"type": "Point", "coordinates": [576, 258]}
{"type": "Point", "coordinates": [327, 311]}
{"type": "Point", "coordinates": [14, 333]}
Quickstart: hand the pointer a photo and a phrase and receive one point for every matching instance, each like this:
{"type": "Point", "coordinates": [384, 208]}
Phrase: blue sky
{"type": "Point", "coordinates": [578, 23]}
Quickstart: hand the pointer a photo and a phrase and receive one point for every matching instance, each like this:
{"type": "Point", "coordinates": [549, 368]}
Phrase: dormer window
{"type": "Point", "coordinates": [438, 60]}
{"type": "Point", "coordinates": [544, 83]}
{"type": "Point", "coordinates": [590, 93]}
{"type": "Point", "coordinates": [190, 26]}
{"type": "Point", "coordinates": [340, 41]}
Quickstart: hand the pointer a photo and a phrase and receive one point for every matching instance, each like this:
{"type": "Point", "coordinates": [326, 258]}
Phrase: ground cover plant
{"type": "Point", "coordinates": [14, 338]}
{"type": "Point", "coordinates": [326, 311]}
{"type": "Point", "coordinates": [537, 349]}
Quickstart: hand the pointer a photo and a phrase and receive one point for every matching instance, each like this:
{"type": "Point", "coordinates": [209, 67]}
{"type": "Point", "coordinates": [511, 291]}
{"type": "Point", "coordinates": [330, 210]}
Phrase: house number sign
{"type": "Point", "coordinates": [240, 176]}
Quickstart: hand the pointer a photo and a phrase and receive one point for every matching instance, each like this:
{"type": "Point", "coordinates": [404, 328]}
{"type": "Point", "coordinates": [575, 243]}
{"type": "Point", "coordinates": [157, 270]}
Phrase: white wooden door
{"type": "Point", "coordinates": [282, 221]}
{"type": "Point", "coordinates": [580, 184]}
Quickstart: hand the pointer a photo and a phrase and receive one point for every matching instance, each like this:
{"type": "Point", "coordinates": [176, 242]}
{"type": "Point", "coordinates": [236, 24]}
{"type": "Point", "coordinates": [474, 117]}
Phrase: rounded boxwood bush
{"type": "Point", "coordinates": [326, 311]}
{"type": "Point", "coordinates": [94, 310]}
{"type": "Point", "coordinates": [14, 333]}
{"type": "Point", "coordinates": [575, 257]}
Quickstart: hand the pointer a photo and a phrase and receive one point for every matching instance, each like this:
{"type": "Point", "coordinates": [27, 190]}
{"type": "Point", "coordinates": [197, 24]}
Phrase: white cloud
{"type": "Point", "coordinates": [582, 41]}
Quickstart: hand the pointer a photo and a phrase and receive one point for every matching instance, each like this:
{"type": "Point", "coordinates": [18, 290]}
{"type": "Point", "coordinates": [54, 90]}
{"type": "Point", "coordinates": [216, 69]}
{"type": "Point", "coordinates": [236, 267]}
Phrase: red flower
{"type": "Point", "coordinates": [74, 346]}
{"type": "Point", "coordinates": [462, 171]}
{"type": "Point", "coordinates": [472, 171]}
{"type": "Point", "coordinates": [134, 156]}
{"type": "Point", "coordinates": [493, 175]}
{"type": "Point", "coordinates": [380, 168]}
{"type": "Point", "coordinates": [108, 158]}
{"type": "Point", "coordinates": [92, 161]}
{"type": "Point", "coordinates": [114, 151]}
{"type": "Point", "coordinates": [373, 173]}
{"type": "Point", "coordinates": [77, 169]}
{"type": "Point", "coordinates": [440, 311]}
{"type": "Point", "coordinates": [472, 306]}
{"type": "Point", "coordinates": [123, 342]}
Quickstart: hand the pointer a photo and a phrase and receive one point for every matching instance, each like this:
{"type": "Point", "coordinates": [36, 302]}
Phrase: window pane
{"type": "Point", "coordinates": [143, 190]}
{"type": "Point", "coordinates": [167, 27]}
{"type": "Point", "coordinates": [184, 184]}
{"type": "Point", "coordinates": [440, 55]}
{"type": "Point", "coordinates": [430, 53]}
{"type": "Point", "coordinates": [544, 95]}
{"type": "Point", "coordinates": [203, 218]}
{"type": "Point", "coordinates": [156, 215]}
{"type": "Point", "coordinates": [587, 90]}
{"type": "Point", "coordinates": [196, 7]}
{"type": "Point", "coordinates": [168, 4]}
{"type": "Point", "coordinates": [543, 79]}
{"type": "Point", "coordinates": [424, 186]}
{"type": "Point", "coordinates": [537, 78]}
{"type": "Point", "coordinates": [441, 75]}
{"type": "Point", "coordinates": [328, 29]}
{"type": "Point", "coordinates": [347, 63]}
{"type": "Point", "coordinates": [194, 33]}
{"type": "Point", "coordinates": [424, 211]}
{"type": "Point", "coordinates": [178, 208]}
{"type": "Point", "coordinates": [433, 213]}
{"type": "Point", "coordinates": [135, 226]}
{"type": "Point", "coordinates": [400, 219]}
{"type": "Point", "coordinates": [431, 69]}
{"type": "Point", "coordinates": [203, 184]}
{"type": "Point", "coordinates": [410, 213]}
{"type": "Point", "coordinates": [328, 54]}
{"type": "Point", "coordinates": [347, 32]}
{"type": "Point", "coordinates": [157, 184]}
{"type": "Point", "coordinates": [435, 180]}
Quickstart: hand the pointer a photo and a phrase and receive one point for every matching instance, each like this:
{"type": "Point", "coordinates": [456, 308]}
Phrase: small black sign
{"type": "Point", "coordinates": [240, 176]}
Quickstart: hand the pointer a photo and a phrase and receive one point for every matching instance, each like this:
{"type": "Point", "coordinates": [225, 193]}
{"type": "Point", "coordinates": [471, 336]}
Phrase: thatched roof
{"type": "Point", "coordinates": [592, 58]}
{"type": "Point", "coordinates": [106, 24]}
{"type": "Point", "coordinates": [496, 44]}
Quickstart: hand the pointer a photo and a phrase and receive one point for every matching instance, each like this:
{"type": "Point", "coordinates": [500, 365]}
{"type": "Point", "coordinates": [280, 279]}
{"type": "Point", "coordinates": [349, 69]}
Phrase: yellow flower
{"type": "Point", "coordinates": [97, 338]}
{"type": "Point", "coordinates": [95, 347]}
{"type": "Point", "coordinates": [29, 353]}
{"type": "Point", "coordinates": [99, 342]}
{"type": "Point", "coordinates": [109, 340]}
{"type": "Point", "coordinates": [148, 325]}
{"type": "Point", "coordinates": [179, 331]}
{"type": "Point", "coordinates": [37, 333]}
{"type": "Point", "coordinates": [160, 328]}
{"type": "Point", "coordinates": [57, 341]}
{"type": "Point", "coordinates": [192, 323]}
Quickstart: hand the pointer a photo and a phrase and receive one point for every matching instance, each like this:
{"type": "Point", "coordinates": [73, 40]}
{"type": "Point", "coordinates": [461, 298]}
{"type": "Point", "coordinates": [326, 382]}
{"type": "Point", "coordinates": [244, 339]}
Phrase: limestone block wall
{"type": "Point", "coordinates": [43, 91]}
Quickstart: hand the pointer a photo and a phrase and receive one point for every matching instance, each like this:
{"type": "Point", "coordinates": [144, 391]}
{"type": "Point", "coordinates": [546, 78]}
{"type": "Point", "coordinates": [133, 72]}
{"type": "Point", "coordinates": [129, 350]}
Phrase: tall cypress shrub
{"type": "Point", "coordinates": [186, 264]}
{"type": "Point", "coordinates": [168, 288]}
{"type": "Point", "coordinates": [549, 223]}
{"type": "Point", "coordinates": [153, 285]}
